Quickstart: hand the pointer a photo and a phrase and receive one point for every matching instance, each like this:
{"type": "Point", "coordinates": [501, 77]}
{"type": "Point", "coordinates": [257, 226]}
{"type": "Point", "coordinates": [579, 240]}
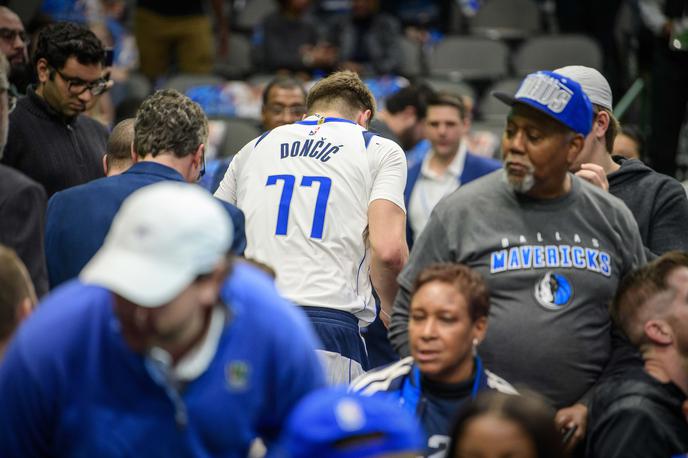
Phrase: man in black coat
{"type": "Point", "coordinates": [22, 204]}
{"type": "Point", "coordinates": [50, 140]}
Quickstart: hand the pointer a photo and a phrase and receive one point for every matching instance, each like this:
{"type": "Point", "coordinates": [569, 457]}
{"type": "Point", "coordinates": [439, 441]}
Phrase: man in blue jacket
{"type": "Point", "coordinates": [156, 352]}
{"type": "Point", "coordinates": [446, 166]}
{"type": "Point", "coordinates": [170, 133]}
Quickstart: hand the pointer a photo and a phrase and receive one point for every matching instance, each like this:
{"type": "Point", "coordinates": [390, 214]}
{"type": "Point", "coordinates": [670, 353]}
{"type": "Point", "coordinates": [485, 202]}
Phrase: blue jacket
{"type": "Point", "coordinates": [79, 218]}
{"type": "Point", "coordinates": [70, 387]}
{"type": "Point", "coordinates": [474, 167]}
{"type": "Point", "coordinates": [401, 381]}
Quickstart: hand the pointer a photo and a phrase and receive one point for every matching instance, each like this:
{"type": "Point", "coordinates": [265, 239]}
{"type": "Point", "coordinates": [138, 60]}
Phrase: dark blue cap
{"type": "Point", "coordinates": [333, 423]}
{"type": "Point", "coordinates": [556, 96]}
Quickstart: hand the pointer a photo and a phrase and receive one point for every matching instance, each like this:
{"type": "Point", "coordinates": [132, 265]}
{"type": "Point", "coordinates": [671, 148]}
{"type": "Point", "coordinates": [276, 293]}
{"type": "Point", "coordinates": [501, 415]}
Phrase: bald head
{"type": "Point", "coordinates": [118, 157]}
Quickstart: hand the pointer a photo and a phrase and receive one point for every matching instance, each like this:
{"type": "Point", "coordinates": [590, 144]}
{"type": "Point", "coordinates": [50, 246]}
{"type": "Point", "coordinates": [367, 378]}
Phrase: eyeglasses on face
{"type": "Point", "coordinates": [9, 35]}
{"type": "Point", "coordinates": [77, 86]}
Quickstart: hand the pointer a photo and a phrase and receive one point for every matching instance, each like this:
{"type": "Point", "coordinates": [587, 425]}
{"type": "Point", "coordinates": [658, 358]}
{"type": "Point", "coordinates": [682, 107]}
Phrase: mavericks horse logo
{"type": "Point", "coordinates": [553, 291]}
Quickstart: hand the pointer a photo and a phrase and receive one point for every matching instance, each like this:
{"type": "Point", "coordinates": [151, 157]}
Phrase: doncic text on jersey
{"type": "Point", "coordinates": [311, 148]}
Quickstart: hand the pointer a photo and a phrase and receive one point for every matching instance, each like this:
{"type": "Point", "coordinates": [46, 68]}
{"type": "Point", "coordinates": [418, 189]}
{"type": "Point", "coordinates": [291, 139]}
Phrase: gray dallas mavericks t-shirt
{"type": "Point", "coordinates": [552, 267]}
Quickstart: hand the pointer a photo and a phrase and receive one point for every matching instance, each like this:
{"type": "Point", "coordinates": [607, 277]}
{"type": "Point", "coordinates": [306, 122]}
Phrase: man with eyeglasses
{"type": "Point", "coordinates": [50, 139]}
{"type": "Point", "coordinates": [284, 102]}
{"type": "Point", "coordinates": [170, 133]}
{"type": "Point", "coordinates": [13, 44]}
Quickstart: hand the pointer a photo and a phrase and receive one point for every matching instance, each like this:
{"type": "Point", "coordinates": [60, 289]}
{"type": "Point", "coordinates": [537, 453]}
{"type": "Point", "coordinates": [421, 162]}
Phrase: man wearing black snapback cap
{"type": "Point", "coordinates": [551, 247]}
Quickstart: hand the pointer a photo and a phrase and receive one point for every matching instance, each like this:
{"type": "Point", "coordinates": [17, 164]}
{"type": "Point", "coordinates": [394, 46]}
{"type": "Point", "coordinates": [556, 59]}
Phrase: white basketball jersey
{"type": "Point", "coordinates": [304, 189]}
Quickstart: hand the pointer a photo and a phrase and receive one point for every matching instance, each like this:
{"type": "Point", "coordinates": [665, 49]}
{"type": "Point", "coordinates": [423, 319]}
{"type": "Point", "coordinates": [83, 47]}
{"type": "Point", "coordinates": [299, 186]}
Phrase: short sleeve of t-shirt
{"type": "Point", "coordinates": [227, 190]}
{"type": "Point", "coordinates": [388, 170]}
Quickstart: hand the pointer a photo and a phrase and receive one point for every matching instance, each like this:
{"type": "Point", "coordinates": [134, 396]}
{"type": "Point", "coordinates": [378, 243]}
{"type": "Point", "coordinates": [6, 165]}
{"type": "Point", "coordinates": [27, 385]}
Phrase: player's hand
{"type": "Point", "coordinates": [573, 416]}
{"type": "Point", "coordinates": [594, 174]}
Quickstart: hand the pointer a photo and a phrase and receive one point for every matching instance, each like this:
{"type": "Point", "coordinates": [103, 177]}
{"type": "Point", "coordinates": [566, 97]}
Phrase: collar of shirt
{"type": "Point", "coordinates": [197, 360]}
{"type": "Point", "coordinates": [454, 170]}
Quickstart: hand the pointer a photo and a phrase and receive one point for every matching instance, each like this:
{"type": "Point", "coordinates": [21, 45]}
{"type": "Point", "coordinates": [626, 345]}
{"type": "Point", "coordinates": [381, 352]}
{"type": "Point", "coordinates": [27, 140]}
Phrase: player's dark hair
{"type": "Point", "coordinates": [449, 99]}
{"type": "Point", "coordinates": [415, 96]}
{"type": "Point", "coordinates": [468, 283]}
{"type": "Point", "coordinates": [283, 82]}
{"type": "Point", "coordinates": [530, 412]}
{"type": "Point", "coordinates": [59, 41]}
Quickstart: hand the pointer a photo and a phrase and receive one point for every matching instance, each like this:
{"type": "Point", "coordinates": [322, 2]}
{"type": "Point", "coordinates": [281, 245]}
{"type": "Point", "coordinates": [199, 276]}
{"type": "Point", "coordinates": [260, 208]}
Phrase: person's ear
{"type": "Point", "coordinates": [134, 154]}
{"type": "Point", "coordinates": [105, 167]}
{"type": "Point", "coordinates": [42, 70]}
{"type": "Point", "coordinates": [24, 309]}
{"type": "Point", "coordinates": [600, 124]}
{"type": "Point", "coordinates": [363, 118]}
{"type": "Point", "coordinates": [480, 328]}
{"type": "Point", "coordinates": [659, 332]}
{"type": "Point", "coordinates": [575, 147]}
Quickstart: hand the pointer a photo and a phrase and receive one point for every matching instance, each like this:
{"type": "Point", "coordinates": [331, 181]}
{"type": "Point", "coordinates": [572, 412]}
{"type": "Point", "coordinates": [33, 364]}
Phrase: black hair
{"type": "Point", "coordinates": [416, 96]}
{"type": "Point", "coordinates": [59, 41]}
{"type": "Point", "coordinates": [527, 410]}
{"type": "Point", "coordinates": [283, 82]}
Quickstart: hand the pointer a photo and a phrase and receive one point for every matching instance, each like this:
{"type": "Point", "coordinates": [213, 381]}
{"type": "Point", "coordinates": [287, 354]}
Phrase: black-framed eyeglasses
{"type": "Point", "coordinates": [77, 86]}
{"type": "Point", "coordinates": [9, 35]}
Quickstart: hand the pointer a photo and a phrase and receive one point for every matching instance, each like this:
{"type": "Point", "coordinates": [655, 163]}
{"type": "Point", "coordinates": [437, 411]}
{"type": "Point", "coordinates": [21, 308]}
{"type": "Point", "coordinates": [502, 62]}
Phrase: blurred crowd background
{"type": "Point", "coordinates": [222, 53]}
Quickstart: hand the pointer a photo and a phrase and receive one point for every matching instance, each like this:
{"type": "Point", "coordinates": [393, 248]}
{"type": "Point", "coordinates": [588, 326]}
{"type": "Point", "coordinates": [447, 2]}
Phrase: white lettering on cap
{"type": "Point", "coordinates": [545, 90]}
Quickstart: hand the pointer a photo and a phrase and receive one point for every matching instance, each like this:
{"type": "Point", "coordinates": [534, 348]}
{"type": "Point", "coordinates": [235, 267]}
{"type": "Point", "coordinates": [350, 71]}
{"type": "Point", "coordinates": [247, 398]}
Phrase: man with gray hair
{"type": "Point", "coordinates": [22, 203]}
{"type": "Point", "coordinates": [170, 132]}
{"type": "Point", "coordinates": [661, 208]}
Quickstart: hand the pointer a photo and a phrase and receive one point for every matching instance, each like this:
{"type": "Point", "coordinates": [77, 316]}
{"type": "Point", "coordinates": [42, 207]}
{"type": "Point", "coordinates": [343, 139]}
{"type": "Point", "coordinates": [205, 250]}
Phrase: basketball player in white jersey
{"type": "Point", "coordinates": [324, 206]}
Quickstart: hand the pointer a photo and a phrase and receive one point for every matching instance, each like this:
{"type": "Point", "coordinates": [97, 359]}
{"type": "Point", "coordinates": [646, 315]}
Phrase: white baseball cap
{"type": "Point", "coordinates": [594, 84]}
{"type": "Point", "coordinates": [162, 238]}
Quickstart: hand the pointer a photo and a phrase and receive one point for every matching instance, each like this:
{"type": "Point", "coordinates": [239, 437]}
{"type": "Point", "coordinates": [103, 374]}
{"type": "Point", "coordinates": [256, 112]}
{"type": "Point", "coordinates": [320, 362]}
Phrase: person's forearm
{"type": "Point", "coordinates": [398, 330]}
{"type": "Point", "coordinates": [383, 274]}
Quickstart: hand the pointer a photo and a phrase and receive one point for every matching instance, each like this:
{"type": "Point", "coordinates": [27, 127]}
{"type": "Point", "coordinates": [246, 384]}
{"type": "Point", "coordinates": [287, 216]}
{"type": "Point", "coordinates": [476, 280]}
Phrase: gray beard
{"type": "Point", "coordinates": [523, 185]}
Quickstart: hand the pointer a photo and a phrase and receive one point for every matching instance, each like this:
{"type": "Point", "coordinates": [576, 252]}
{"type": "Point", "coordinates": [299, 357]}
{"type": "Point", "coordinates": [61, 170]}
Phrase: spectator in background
{"type": "Point", "coordinates": [170, 133]}
{"type": "Point", "coordinates": [22, 203]}
{"type": "Point", "coordinates": [50, 140]}
{"type": "Point", "coordinates": [448, 319]}
{"type": "Point", "coordinates": [288, 40]}
{"type": "Point", "coordinates": [17, 296]}
{"type": "Point", "coordinates": [639, 414]}
{"type": "Point", "coordinates": [548, 245]}
{"type": "Point", "coordinates": [119, 155]}
{"type": "Point", "coordinates": [179, 30]}
{"type": "Point", "coordinates": [157, 340]}
{"type": "Point", "coordinates": [669, 72]}
{"type": "Point", "coordinates": [402, 120]}
{"type": "Point", "coordinates": [447, 165]}
{"type": "Point", "coordinates": [629, 143]}
{"type": "Point", "coordinates": [14, 43]}
{"type": "Point", "coordinates": [498, 425]}
{"type": "Point", "coordinates": [284, 102]}
{"type": "Point", "coordinates": [367, 41]}
{"type": "Point", "coordinates": [661, 209]}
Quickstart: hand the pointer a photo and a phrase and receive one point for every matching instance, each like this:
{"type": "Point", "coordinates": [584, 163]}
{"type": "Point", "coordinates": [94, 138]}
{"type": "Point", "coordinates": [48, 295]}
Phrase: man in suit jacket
{"type": "Point", "coordinates": [170, 133]}
{"type": "Point", "coordinates": [22, 203]}
{"type": "Point", "coordinates": [446, 166]}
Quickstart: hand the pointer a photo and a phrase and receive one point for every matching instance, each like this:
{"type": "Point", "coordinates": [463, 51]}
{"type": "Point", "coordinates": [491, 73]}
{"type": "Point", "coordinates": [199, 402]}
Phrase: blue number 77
{"type": "Point", "coordinates": [285, 202]}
